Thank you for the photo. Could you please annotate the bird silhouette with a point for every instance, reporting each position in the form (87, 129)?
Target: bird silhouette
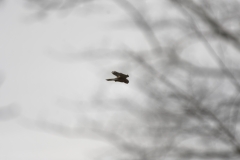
(120, 77)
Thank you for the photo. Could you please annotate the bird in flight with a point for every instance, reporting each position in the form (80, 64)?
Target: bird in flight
(120, 77)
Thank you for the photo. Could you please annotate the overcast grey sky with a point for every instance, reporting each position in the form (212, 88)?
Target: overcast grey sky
(35, 78)
(45, 79)
(43, 72)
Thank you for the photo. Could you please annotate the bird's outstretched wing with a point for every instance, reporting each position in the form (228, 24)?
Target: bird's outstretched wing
(118, 74)
(119, 80)
(125, 81)
(113, 79)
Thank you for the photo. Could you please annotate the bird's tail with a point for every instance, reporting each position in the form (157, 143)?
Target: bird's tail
(110, 79)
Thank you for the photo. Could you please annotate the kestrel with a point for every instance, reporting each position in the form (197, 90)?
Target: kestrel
(120, 77)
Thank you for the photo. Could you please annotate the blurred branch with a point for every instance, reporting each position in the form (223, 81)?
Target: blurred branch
(224, 68)
(141, 22)
(190, 153)
(216, 26)
(174, 107)
(8, 112)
